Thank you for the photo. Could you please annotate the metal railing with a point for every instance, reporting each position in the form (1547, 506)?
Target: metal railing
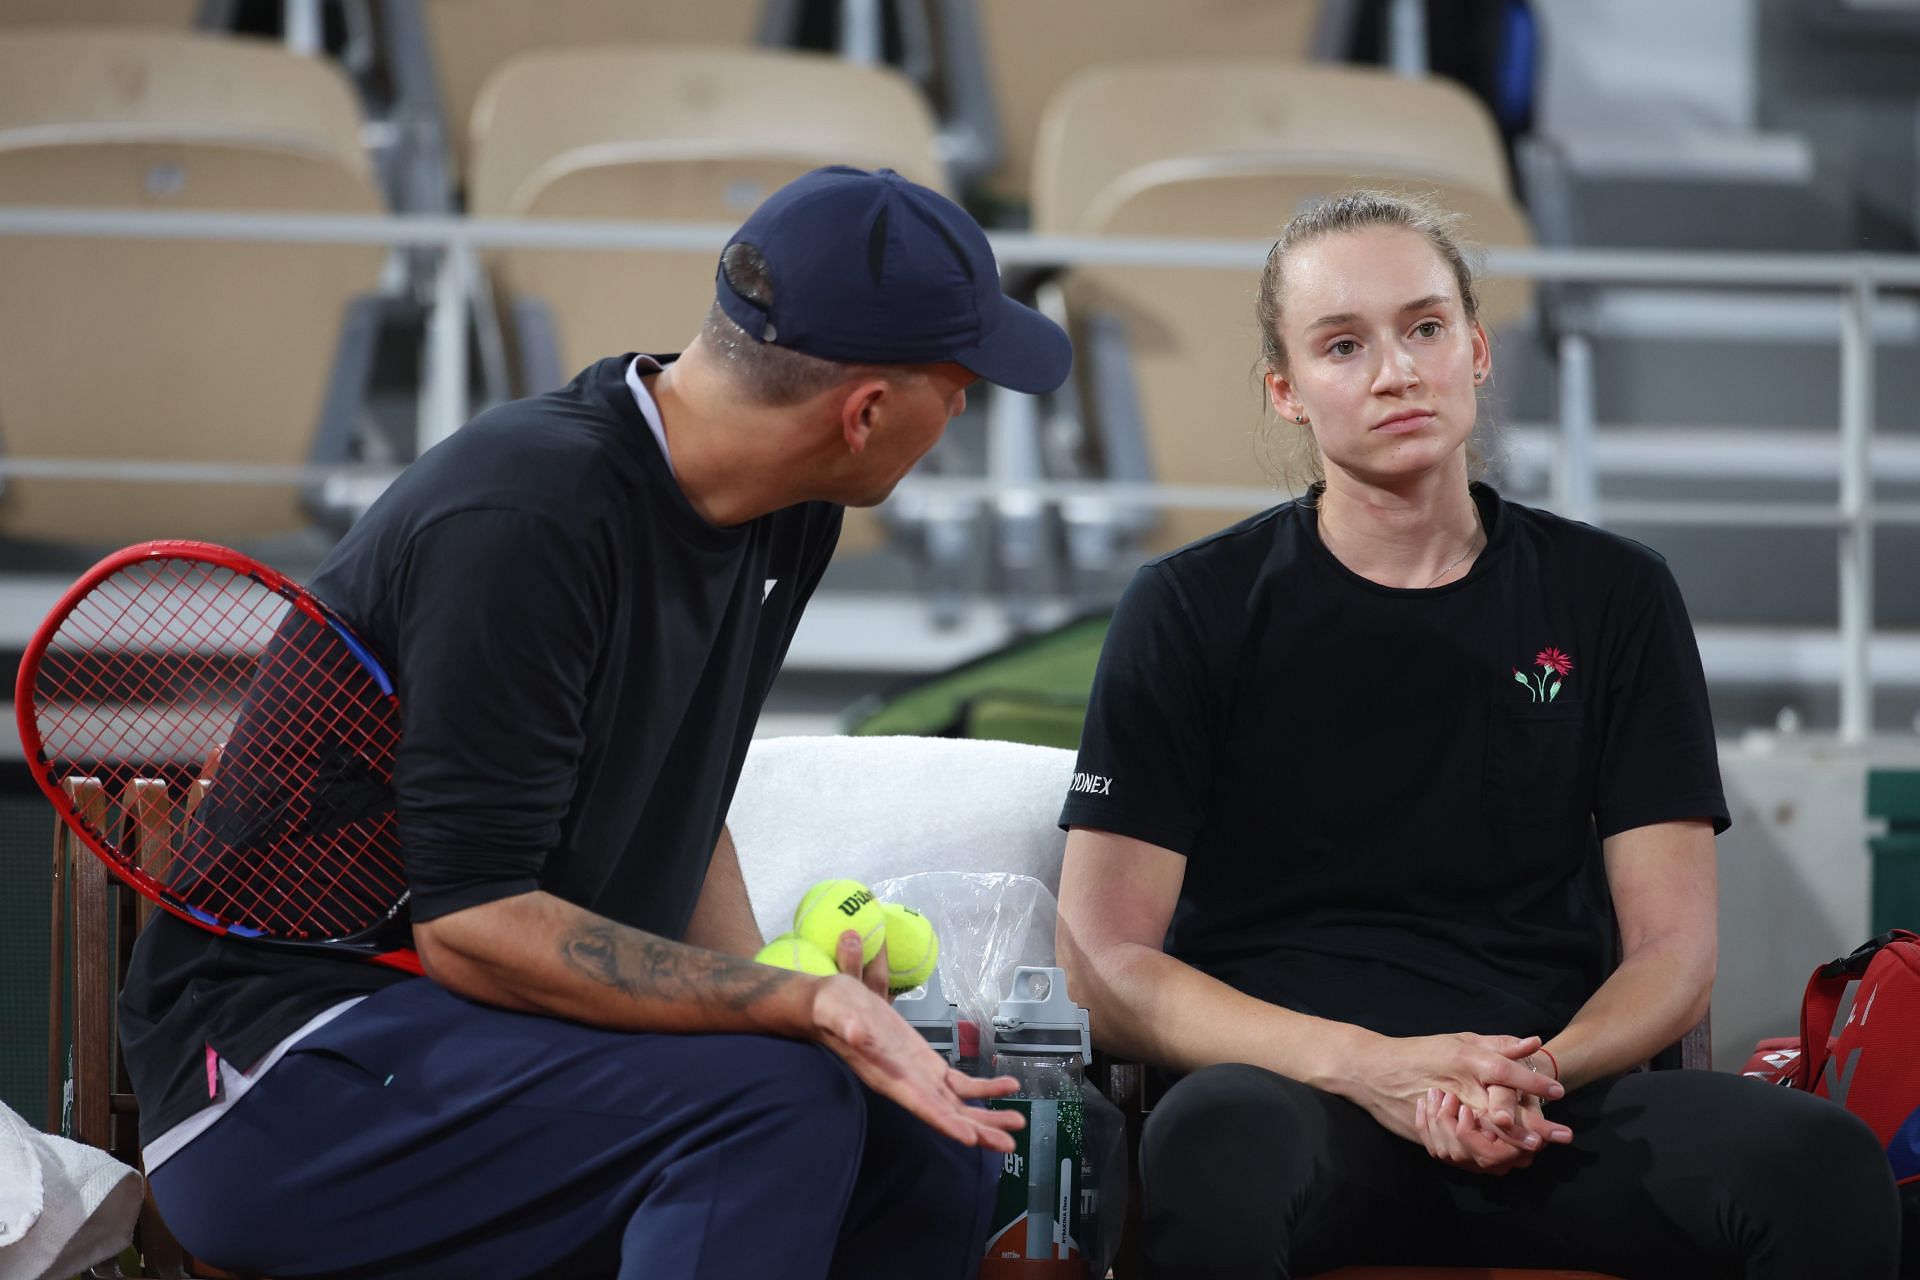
(1858, 280)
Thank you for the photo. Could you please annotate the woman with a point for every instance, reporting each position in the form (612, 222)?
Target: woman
(1376, 772)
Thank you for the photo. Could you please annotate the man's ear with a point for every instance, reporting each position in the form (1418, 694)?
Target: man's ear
(860, 409)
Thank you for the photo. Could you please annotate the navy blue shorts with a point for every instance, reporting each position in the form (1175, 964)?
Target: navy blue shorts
(422, 1135)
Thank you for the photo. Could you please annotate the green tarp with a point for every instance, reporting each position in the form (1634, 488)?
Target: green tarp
(1034, 690)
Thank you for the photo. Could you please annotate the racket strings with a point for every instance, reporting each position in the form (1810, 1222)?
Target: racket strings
(127, 635)
(337, 711)
(297, 880)
(171, 662)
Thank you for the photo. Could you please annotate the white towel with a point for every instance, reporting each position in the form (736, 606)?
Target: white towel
(63, 1206)
(870, 809)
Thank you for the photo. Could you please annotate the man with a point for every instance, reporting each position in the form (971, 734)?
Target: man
(584, 598)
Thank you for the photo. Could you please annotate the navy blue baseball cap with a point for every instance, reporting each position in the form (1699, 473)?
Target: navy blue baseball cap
(869, 268)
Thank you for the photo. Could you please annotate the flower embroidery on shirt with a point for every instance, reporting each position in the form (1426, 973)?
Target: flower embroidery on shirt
(1545, 686)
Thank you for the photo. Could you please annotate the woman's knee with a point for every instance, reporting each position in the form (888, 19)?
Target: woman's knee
(1770, 1173)
(1222, 1157)
(1788, 1129)
(1850, 1178)
(1217, 1110)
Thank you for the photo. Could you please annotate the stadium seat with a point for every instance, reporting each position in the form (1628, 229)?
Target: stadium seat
(1027, 50)
(1454, 1273)
(1227, 149)
(685, 135)
(153, 351)
(680, 135)
(94, 922)
(470, 39)
(175, 14)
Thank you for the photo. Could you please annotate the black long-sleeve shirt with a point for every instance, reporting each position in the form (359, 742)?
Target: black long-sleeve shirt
(580, 659)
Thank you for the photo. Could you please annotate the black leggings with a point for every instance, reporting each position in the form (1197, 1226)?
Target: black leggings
(1670, 1173)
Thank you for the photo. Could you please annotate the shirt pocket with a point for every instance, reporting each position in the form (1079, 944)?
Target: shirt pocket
(1536, 762)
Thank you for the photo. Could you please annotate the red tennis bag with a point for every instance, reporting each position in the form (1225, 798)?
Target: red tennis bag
(1775, 1061)
(1871, 1065)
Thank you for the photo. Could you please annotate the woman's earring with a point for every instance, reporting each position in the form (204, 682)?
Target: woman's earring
(1299, 418)
(1479, 374)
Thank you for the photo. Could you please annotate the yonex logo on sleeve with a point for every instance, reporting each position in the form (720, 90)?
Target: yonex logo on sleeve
(1092, 784)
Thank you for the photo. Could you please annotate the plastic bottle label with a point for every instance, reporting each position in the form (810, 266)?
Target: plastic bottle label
(1036, 1229)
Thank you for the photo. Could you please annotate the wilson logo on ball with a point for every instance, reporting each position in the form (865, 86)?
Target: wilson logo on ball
(851, 904)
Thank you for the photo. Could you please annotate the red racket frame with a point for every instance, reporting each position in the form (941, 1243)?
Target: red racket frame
(362, 945)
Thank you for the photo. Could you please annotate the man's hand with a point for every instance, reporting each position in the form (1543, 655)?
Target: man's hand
(891, 1059)
(874, 975)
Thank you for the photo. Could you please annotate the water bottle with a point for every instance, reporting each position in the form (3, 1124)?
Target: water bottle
(1041, 1040)
(928, 1011)
(968, 1047)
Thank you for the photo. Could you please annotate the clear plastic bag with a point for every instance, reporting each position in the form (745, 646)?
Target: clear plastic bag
(990, 925)
(1104, 1162)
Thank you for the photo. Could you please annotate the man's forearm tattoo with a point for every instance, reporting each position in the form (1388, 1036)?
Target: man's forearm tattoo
(645, 967)
(594, 951)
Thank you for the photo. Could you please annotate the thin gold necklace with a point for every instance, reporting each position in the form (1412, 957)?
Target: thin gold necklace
(1472, 544)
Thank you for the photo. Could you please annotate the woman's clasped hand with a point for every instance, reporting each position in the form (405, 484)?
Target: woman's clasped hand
(1473, 1101)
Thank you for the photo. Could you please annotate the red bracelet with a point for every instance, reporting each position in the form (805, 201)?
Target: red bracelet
(1553, 1060)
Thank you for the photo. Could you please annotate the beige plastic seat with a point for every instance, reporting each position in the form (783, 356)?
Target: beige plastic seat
(1232, 149)
(680, 135)
(176, 14)
(1033, 49)
(470, 39)
(170, 351)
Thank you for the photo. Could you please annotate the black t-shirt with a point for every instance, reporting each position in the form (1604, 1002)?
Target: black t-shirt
(1390, 801)
(580, 659)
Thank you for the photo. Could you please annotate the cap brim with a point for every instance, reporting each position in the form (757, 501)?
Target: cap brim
(1026, 351)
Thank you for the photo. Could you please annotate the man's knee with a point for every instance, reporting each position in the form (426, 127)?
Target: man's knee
(927, 1172)
(948, 1184)
(183, 1212)
(960, 1178)
(922, 1202)
(809, 1099)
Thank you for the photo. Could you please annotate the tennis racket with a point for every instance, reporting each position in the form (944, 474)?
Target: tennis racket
(191, 666)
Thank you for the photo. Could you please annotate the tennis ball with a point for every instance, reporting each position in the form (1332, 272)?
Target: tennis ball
(912, 946)
(832, 907)
(791, 952)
